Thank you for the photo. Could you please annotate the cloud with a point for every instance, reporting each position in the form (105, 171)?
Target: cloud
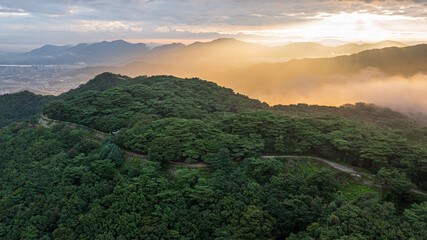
(149, 18)
(104, 26)
(186, 10)
(162, 29)
(12, 14)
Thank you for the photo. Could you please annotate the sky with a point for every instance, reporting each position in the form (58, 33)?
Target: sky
(25, 24)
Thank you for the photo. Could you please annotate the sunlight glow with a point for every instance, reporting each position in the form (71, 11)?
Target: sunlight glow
(356, 26)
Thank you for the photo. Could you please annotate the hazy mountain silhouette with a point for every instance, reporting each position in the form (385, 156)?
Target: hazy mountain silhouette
(390, 61)
(220, 52)
(115, 52)
(224, 52)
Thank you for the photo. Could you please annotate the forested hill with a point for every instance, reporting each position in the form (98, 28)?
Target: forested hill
(63, 181)
(209, 96)
(21, 105)
(164, 96)
(381, 116)
(101, 82)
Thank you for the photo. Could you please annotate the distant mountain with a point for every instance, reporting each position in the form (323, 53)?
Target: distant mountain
(167, 47)
(225, 51)
(220, 52)
(404, 61)
(136, 69)
(105, 53)
(391, 61)
(48, 50)
(349, 48)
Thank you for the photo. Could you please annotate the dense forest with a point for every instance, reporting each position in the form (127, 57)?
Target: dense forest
(57, 183)
(64, 180)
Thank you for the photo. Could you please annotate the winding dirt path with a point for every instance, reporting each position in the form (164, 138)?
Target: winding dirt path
(342, 168)
(45, 121)
(335, 165)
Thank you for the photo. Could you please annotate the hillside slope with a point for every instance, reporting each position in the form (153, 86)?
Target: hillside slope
(165, 96)
(405, 61)
(20, 106)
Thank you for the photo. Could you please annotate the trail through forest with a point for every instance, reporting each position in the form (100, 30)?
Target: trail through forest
(45, 121)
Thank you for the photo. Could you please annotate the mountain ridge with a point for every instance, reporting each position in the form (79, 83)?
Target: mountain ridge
(114, 52)
(122, 52)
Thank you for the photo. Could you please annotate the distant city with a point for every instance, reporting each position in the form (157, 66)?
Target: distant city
(40, 79)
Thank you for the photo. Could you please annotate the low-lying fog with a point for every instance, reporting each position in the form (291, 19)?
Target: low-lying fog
(405, 94)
